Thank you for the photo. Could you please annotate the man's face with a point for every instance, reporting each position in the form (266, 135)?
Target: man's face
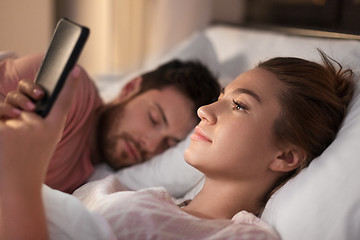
(135, 130)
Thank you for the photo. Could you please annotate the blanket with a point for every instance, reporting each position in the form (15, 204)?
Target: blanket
(153, 214)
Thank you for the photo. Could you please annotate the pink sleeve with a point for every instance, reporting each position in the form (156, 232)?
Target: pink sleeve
(14, 70)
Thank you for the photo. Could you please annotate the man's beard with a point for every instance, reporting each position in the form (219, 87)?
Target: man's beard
(106, 140)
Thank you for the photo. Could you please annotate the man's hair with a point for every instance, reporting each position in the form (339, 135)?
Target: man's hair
(190, 78)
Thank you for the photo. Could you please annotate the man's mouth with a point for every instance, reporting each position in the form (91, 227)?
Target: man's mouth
(132, 151)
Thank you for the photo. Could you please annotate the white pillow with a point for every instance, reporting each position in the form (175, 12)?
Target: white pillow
(323, 201)
(168, 169)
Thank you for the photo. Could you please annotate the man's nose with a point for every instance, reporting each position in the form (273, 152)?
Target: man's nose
(151, 142)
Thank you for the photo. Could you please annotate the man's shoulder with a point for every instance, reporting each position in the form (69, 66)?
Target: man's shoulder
(87, 98)
(12, 70)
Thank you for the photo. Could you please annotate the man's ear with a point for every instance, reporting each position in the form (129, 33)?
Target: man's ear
(288, 159)
(130, 89)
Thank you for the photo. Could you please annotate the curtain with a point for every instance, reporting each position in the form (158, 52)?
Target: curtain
(126, 34)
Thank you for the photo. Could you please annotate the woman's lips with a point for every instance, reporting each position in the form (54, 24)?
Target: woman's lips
(200, 135)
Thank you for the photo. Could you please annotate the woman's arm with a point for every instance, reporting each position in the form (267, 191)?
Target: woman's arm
(22, 214)
(26, 145)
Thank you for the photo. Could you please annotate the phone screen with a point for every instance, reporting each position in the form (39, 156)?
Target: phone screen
(61, 56)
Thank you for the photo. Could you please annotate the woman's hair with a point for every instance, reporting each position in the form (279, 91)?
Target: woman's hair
(314, 103)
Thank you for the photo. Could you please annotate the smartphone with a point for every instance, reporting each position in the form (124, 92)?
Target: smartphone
(64, 50)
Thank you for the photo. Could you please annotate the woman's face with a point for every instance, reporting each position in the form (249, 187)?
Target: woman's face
(235, 136)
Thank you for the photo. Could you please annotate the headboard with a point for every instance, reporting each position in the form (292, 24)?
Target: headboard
(319, 18)
(329, 15)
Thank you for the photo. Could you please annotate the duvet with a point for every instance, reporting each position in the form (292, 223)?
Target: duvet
(105, 210)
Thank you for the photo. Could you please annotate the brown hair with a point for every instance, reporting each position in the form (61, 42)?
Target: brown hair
(314, 104)
(191, 78)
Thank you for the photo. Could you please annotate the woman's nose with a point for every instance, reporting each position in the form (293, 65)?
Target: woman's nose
(207, 114)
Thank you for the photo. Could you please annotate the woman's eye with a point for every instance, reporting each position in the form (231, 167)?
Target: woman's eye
(239, 106)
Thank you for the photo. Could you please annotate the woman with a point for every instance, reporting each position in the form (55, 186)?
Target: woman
(266, 126)
(283, 113)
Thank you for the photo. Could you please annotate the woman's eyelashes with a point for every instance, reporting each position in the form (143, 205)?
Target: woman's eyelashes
(237, 105)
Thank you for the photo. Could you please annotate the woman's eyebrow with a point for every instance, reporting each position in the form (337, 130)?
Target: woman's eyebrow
(249, 92)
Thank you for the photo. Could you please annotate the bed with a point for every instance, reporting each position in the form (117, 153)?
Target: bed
(322, 202)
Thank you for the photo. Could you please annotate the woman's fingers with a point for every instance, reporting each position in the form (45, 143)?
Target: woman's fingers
(28, 93)
(14, 103)
(30, 89)
(8, 111)
(20, 101)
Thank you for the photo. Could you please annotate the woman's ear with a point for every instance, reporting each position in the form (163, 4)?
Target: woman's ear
(130, 89)
(288, 159)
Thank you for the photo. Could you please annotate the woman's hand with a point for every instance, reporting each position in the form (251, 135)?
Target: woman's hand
(27, 143)
(30, 137)
(21, 100)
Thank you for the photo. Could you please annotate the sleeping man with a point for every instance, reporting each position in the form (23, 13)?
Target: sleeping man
(151, 113)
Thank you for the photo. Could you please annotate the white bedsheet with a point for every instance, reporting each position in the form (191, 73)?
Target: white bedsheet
(68, 218)
(105, 213)
(153, 214)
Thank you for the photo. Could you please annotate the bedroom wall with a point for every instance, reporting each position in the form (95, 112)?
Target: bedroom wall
(125, 34)
(98, 17)
(159, 25)
(172, 21)
(229, 11)
(25, 25)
